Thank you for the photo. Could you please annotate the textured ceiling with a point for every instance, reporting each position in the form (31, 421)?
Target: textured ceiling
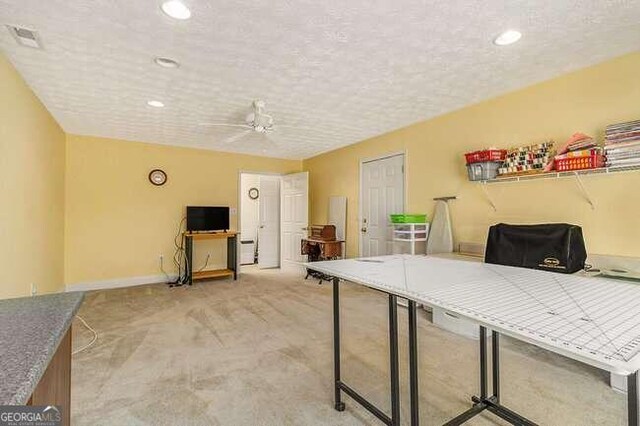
(342, 71)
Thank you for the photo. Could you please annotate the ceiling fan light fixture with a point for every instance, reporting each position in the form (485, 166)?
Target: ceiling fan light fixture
(176, 10)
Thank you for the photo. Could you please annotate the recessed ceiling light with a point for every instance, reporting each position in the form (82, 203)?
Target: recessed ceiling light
(156, 104)
(176, 9)
(166, 62)
(507, 37)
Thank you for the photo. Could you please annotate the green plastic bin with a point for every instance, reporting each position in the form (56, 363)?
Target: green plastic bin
(408, 218)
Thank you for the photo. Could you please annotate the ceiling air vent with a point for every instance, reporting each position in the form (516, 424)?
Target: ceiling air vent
(25, 37)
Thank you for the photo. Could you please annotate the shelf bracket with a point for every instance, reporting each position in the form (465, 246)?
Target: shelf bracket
(584, 191)
(483, 186)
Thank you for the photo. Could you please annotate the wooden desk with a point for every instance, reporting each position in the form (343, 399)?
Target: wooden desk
(232, 261)
(319, 250)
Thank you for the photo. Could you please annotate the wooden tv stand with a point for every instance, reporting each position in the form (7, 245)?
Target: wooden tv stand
(232, 262)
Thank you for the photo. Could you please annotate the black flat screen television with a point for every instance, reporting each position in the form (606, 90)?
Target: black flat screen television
(207, 218)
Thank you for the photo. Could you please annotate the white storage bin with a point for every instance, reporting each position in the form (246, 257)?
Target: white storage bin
(411, 235)
(410, 227)
(453, 323)
(483, 171)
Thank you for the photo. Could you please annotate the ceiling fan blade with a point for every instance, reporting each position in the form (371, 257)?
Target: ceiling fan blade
(236, 138)
(246, 126)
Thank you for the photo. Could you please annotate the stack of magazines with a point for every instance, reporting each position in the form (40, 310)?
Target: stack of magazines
(580, 141)
(622, 144)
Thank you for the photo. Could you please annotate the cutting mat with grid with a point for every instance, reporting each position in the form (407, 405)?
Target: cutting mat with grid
(596, 321)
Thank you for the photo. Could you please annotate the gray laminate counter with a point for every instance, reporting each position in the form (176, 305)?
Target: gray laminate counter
(30, 330)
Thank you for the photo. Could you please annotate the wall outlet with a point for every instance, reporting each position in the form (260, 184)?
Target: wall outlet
(233, 211)
(34, 289)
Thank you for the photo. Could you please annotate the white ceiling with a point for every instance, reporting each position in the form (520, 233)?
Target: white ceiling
(344, 71)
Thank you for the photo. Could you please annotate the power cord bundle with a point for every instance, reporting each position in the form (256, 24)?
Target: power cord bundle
(180, 259)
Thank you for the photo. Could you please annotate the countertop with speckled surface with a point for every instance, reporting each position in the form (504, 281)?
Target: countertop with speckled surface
(31, 329)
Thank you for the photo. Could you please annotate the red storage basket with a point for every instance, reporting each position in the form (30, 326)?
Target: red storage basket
(497, 155)
(580, 163)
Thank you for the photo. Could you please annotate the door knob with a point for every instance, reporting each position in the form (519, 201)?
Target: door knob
(261, 226)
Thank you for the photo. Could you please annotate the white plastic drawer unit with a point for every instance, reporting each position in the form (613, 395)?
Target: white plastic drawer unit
(410, 235)
(410, 227)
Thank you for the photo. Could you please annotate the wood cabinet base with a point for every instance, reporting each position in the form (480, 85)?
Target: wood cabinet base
(54, 388)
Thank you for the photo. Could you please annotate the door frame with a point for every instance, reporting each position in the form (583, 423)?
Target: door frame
(405, 194)
(239, 210)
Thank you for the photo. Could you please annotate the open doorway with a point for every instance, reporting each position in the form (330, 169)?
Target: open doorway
(259, 221)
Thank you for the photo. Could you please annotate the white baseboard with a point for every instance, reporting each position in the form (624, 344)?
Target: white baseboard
(120, 282)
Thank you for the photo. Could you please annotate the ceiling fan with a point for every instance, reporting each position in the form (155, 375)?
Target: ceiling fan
(257, 121)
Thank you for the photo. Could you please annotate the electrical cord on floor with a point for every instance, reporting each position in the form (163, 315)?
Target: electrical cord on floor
(206, 263)
(93, 340)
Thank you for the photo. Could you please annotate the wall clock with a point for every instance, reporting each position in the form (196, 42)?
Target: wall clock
(254, 193)
(157, 177)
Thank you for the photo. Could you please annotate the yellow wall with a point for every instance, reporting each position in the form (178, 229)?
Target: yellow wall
(118, 223)
(31, 191)
(585, 101)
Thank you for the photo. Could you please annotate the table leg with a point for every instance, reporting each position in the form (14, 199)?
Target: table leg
(491, 403)
(632, 399)
(495, 362)
(483, 362)
(393, 359)
(413, 364)
(339, 405)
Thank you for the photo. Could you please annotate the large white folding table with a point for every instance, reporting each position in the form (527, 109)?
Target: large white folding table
(592, 320)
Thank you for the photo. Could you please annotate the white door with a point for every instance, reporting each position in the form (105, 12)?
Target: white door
(269, 223)
(295, 215)
(382, 194)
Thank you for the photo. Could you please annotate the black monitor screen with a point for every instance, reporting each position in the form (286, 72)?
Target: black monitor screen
(207, 218)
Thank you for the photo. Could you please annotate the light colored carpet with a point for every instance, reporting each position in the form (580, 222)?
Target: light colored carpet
(259, 352)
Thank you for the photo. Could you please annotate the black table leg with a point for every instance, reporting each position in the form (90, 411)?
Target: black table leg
(632, 398)
(339, 405)
(495, 362)
(393, 359)
(484, 401)
(483, 362)
(413, 364)
(339, 386)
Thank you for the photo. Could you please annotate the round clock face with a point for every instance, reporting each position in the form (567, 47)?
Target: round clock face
(157, 177)
(254, 193)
